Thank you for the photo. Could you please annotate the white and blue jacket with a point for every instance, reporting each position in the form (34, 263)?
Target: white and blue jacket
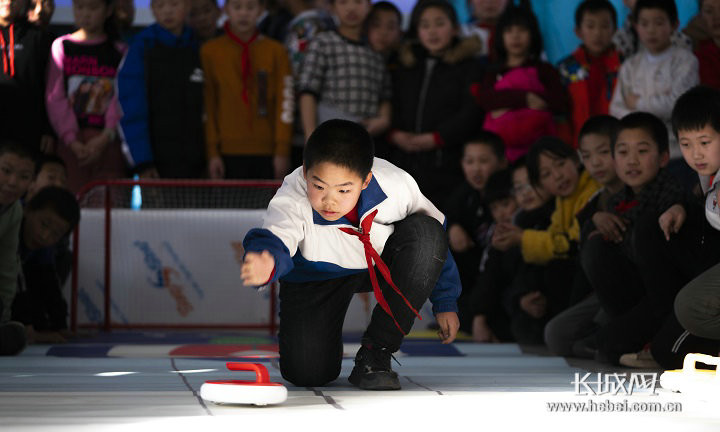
(307, 247)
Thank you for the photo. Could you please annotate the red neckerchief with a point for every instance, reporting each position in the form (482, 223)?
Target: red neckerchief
(353, 216)
(370, 255)
(8, 52)
(608, 61)
(244, 59)
(624, 206)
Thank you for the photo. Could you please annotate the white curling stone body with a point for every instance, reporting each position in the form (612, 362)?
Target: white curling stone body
(244, 394)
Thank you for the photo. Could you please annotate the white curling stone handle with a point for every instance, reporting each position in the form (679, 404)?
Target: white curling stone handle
(690, 379)
(244, 394)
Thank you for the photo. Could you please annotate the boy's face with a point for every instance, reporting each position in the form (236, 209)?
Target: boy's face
(203, 18)
(243, 15)
(170, 14)
(527, 196)
(384, 31)
(43, 228)
(503, 210)
(478, 163)
(558, 176)
(488, 10)
(637, 160)
(435, 30)
(596, 31)
(351, 13)
(597, 157)
(333, 190)
(701, 149)
(16, 173)
(710, 13)
(654, 29)
(51, 174)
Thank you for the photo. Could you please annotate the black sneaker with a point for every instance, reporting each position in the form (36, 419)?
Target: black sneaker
(372, 369)
(12, 338)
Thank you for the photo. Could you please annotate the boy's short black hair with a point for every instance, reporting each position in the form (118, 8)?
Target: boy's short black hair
(60, 201)
(384, 6)
(490, 139)
(604, 125)
(668, 6)
(522, 16)
(48, 159)
(20, 150)
(695, 109)
(650, 124)
(595, 6)
(340, 142)
(499, 186)
(551, 146)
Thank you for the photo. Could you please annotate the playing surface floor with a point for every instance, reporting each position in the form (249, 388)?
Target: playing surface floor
(151, 381)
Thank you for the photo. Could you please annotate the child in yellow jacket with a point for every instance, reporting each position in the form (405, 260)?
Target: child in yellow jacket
(248, 98)
(542, 287)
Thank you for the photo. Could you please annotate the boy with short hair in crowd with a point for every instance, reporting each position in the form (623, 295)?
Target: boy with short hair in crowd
(248, 101)
(384, 31)
(626, 39)
(51, 172)
(160, 91)
(39, 304)
(469, 218)
(342, 77)
(694, 326)
(655, 77)
(332, 218)
(17, 169)
(590, 72)
(637, 295)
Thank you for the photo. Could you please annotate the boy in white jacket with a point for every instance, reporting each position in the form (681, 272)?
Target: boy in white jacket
(657, 75)
(335, 216)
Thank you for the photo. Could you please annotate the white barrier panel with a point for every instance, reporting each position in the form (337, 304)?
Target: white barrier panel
(176, 267)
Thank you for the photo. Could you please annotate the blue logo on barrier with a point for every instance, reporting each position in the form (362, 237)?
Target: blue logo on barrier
(165, 276)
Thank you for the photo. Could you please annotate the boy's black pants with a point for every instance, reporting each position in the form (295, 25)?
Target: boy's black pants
(312, 313)
(638, 294)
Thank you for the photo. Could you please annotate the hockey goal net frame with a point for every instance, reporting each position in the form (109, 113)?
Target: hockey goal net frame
(106, 188)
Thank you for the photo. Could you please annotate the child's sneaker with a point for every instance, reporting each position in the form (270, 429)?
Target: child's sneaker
(372, 369)
(642, 360)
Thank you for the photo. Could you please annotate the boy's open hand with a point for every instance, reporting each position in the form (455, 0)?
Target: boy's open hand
(611, 226)
(672, 220)
(257, 268)
(449, 326)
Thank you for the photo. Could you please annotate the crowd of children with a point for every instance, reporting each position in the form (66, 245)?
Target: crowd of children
(549, 175)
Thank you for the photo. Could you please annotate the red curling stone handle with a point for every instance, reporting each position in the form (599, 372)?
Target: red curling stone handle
(261, 372)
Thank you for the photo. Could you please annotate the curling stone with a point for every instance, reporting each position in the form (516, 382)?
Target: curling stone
(693, 381)
(259, 392)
